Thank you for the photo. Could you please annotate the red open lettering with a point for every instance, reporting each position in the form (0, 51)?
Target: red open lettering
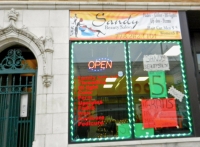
(99, 64)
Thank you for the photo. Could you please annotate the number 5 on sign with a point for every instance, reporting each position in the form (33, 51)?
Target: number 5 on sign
(157, 84)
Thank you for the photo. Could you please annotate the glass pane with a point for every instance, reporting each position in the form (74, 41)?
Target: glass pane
(99, 98)
(159, 93)
(198, 60)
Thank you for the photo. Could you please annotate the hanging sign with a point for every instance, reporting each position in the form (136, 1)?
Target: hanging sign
(124, 25)
(100, 64)
(155, 63)
(159, 113)
(157, 84)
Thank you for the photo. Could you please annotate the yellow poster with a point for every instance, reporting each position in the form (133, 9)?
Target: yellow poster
(124, 25)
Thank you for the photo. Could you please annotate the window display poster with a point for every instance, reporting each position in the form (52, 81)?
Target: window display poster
(157, 83)
(155, 63)
(159, 113)
(124, 25)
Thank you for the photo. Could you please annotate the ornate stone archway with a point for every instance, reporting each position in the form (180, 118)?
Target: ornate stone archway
(42, 46)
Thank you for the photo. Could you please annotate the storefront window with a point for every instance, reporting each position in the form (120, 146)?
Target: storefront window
(99, 92)
(128, 90)
(159, 90)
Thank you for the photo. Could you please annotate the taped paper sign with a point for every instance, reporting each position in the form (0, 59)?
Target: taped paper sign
(155, 63)
(157, 83)
(24, 105)
(177, 94)
(158, 113)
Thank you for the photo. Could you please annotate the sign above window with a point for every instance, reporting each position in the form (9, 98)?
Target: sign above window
(129, 25)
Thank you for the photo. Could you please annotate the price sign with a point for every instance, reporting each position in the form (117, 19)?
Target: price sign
(159, 113)
(157, 84)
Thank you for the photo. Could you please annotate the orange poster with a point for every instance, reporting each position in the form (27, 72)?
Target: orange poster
(159, 113)
(124, 25)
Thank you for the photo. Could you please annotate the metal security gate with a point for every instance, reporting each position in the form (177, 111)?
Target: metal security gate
(17, 103)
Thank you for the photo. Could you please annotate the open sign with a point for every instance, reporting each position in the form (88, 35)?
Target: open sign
(100, 64)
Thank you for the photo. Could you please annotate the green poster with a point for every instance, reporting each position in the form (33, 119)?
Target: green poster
(157, 84)
(124, 130)
(140, 131)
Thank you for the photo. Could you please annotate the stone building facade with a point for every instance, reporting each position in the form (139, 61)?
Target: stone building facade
(43, 27)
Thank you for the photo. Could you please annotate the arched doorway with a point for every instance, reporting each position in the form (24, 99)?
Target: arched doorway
(18, 69)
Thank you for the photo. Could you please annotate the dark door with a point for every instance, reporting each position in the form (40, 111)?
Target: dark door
(17, 101)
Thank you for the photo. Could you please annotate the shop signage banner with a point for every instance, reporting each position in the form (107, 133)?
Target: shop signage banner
(159, 113)
(124, 25)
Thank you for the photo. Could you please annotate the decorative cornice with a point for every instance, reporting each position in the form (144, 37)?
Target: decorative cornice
(24, 32)
(69, 5)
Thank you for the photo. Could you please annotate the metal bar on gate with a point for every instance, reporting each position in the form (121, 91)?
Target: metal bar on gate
(20, 134)
(25, 123)
(10, 117)
(12, 111)
(1, 113)
(17, 116)
(16, 119)
(4, 119)
(32, 112)
(19, 121)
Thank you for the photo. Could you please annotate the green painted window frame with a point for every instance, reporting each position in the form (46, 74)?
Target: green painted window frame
(129, 94)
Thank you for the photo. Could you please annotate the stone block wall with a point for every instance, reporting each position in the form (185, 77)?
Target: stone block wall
(51, 126)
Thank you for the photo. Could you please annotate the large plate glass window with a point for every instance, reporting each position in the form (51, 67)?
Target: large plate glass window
(159, 89)
(99, 97)
(128, 90)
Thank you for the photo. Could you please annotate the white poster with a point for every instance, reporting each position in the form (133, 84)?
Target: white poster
(155, 63)
(24, 105)
(177, 94)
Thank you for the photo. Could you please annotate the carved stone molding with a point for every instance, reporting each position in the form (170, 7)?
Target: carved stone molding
(47, 80)
(24, 32)
(45, 46)
(12, 15)
(48, 41)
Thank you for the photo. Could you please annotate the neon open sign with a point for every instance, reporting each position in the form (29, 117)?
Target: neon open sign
(100, 64)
